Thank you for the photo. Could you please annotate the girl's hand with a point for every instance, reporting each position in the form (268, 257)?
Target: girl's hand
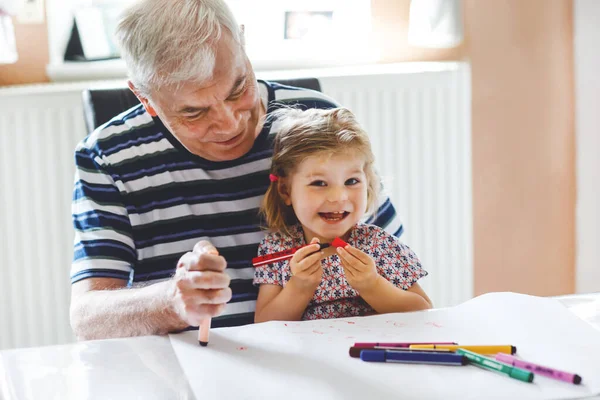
(306, 265)
(359, 268)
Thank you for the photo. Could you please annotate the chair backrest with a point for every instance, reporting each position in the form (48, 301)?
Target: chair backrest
(100, 105)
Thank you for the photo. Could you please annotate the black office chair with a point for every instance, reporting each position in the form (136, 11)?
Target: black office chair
(100, 105)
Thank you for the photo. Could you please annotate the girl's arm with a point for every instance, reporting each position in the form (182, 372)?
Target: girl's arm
(384, 297)
(288, 303)
(380, 293)
(277, 303)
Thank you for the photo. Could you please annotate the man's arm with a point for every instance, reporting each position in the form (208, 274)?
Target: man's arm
(104, 308)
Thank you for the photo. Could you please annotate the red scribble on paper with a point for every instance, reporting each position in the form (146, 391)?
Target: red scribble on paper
(285, 324)
(319, 333)
(434, 324)
(242, 348)
(351, 322)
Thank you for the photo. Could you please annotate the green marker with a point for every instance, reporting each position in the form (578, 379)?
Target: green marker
(493, 365)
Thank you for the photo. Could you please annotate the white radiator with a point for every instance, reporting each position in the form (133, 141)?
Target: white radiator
(419, 123)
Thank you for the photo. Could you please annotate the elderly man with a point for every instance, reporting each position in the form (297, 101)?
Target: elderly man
(162, 183)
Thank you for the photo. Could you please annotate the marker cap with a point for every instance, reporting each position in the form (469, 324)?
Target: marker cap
(521, 375)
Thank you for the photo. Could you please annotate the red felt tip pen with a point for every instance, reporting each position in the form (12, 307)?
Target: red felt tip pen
(287, 254)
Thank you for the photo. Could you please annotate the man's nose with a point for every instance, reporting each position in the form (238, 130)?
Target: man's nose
(226, 119)
(337, 193)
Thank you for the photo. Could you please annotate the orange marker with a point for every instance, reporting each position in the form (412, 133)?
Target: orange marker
(492, 349)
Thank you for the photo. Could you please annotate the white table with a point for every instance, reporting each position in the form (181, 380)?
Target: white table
(134, 368)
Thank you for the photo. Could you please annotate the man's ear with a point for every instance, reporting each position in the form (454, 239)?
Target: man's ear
(284, 192)
(144, 100)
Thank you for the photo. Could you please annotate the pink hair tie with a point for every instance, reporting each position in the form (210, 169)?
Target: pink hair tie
(273, 178)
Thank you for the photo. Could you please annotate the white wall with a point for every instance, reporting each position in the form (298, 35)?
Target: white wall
(587, 114)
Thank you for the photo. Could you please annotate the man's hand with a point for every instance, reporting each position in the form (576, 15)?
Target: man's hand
(200, 286)
(306, 265)
(359, 268)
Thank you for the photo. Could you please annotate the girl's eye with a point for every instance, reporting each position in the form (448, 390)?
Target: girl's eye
(318, 183)
(352, 181)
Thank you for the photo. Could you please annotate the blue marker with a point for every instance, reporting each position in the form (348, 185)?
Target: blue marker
(412, 358)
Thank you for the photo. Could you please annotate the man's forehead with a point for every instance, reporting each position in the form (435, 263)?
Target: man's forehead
(230, 66)
(202, 94)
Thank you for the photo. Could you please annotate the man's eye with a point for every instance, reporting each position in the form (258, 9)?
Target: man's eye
(237, 94)
(352, 181)
(318, 183)
(193, 117)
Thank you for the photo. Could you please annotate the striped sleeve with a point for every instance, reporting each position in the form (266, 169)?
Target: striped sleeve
(103, 245)
(386, 217)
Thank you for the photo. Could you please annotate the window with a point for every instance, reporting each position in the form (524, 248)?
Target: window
(306, 33)
(280, 34)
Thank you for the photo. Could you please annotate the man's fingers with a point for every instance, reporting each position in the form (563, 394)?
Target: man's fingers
(214, 296)
(208, 280)
(204, 246)
(202, 262)
(195, 314)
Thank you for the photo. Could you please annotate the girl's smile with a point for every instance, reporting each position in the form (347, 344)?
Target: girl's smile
(328, 193)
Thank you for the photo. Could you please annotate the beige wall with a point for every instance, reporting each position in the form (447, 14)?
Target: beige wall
(521, 55)
(32, 47)
(523, 131)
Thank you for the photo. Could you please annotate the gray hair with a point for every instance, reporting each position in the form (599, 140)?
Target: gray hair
(167, 42)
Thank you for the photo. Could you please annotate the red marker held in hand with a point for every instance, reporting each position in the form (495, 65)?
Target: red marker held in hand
(287, 254)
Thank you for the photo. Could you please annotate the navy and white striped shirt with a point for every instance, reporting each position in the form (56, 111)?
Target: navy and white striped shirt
(141, 200)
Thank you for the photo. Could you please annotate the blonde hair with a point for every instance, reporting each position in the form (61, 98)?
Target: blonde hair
(301, 134)
(168, 42)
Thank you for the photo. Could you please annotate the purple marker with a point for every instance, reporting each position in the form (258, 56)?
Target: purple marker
(408, 344)
(539, 369)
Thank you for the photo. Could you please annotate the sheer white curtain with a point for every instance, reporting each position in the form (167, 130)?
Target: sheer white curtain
(435, 23)
(8, 47)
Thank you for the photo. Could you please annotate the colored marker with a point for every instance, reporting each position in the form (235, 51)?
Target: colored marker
(411, 358)
(539, 369)
(355, 351)
(493, 365)
(397, 344)
(282, 255)
(337, 242)
(483, 349)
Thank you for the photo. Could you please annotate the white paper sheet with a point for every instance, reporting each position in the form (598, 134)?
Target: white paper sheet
(309, 360)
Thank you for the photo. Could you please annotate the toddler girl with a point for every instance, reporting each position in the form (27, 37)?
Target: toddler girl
(323, 183)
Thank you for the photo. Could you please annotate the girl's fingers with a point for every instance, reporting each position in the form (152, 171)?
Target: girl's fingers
(305, 251)
(349, 271)
(358, 254)
(348, 258)
(314, 268)
(310, 260)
